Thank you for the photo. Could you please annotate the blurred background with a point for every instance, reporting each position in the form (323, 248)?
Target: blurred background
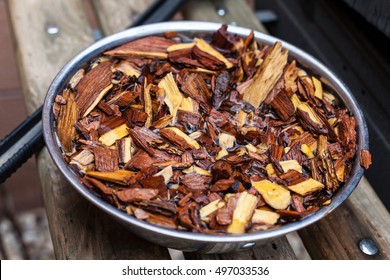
(352, 37)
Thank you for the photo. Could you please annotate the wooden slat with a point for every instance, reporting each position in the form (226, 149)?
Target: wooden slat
(39, 55)
(278, 249)
(115, 16)
(374, 11)
(78, 229)
(338, 235)
(237, 11)
(240, 13)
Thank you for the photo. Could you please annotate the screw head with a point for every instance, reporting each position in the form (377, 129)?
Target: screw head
(368, 247)
(52, 29)
(248, 245)
(221, 11)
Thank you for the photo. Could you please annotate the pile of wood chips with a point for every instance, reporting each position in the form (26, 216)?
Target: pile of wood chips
(218, 136)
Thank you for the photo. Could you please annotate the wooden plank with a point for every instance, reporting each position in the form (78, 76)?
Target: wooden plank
(115, 16)
(236, 12)
(338, 235)
(78, 229)
(240, 13)
(39, 54)
(374, 11)
(279, 249)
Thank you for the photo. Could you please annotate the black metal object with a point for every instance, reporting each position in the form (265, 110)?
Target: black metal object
(27, 139)
(358, 53)
(160, 10)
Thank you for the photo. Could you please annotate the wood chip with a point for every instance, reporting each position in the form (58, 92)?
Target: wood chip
(67, 117)
(92, 88)
(266, 76)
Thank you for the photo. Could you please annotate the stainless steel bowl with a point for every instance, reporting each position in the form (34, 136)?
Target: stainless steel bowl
(187, 241)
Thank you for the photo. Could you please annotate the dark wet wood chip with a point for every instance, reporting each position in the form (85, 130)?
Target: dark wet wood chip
(196, 181)
(221, 170)
(105, 159)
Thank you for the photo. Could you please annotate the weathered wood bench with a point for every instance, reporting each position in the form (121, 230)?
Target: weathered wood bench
(47, 34)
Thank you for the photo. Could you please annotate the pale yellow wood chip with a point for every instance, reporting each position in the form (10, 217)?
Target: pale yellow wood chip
(243, 212)
(109, 138)
(173, 97)
(264, 217)
(274, 195)
(267, 75)
(317, 87)
(306, 187)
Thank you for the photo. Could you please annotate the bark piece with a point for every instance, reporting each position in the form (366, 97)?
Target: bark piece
(148, 47)
(93, 87)
(186, 117)
(123, 98)
(96, 184)
(136, 117)
(155, 182)
(136, 194)
(67, 117)
(222, 185)
(121, 177)
(221, 89)
(290, 76)
(212, 53)
(222, 39)
(140, 160)
(179, 138)
(196, 181)
(221, 170)
(105, 159)
(159, 207)
(283, 105)
(194, 86)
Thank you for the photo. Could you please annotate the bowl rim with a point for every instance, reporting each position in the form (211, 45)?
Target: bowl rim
(305, 59)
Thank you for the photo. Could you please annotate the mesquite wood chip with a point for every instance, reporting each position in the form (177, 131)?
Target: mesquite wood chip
(220, 136)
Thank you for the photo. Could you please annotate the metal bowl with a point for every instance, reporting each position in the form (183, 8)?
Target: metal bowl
(188, 241)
